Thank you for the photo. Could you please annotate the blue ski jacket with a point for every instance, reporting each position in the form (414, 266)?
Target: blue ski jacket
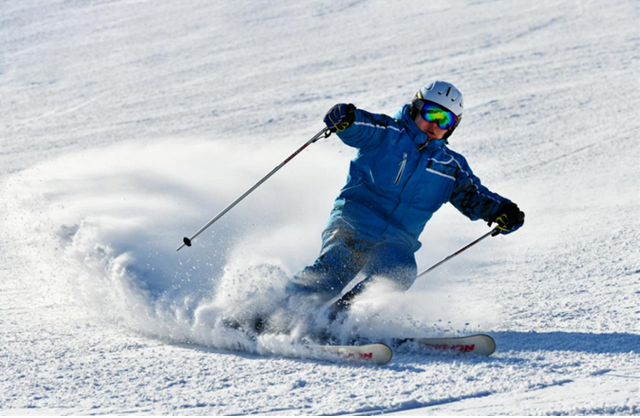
(399, 179)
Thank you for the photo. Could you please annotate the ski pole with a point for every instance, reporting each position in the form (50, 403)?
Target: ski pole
(493, 233)
(345, 301)
(325, 132)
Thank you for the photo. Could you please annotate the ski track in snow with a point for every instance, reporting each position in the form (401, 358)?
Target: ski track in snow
(127, 125)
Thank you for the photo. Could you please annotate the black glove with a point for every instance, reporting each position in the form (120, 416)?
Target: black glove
(508, 218)
(340, 117)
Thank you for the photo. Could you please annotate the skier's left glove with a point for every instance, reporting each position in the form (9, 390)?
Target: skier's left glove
(508, 218)
(340, 117)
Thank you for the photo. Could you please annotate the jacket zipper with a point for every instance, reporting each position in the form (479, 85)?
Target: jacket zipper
(402, 165)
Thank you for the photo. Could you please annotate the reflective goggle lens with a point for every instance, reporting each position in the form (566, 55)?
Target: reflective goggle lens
(431, 112)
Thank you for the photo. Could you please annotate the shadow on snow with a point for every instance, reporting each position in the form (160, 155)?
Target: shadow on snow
(567, 341)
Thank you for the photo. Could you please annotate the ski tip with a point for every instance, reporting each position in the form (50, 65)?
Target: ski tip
(377, 353)
(491, 344)
(390, 354)
(488, 344)
(482, 344)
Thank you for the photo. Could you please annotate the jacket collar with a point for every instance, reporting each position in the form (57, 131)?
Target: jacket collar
(419, 137)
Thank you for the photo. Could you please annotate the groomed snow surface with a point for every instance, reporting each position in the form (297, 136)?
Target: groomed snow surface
(126, 125)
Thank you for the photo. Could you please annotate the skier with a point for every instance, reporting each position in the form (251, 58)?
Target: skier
(403, 173)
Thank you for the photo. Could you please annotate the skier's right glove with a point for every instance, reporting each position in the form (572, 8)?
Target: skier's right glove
(340, 117)
(508, 218)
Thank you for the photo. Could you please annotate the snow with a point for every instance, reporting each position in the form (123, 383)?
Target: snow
(127, 125)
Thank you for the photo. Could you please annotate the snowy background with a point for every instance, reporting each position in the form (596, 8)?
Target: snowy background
(127, 124)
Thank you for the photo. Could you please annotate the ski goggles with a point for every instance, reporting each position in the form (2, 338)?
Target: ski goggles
(431, 112)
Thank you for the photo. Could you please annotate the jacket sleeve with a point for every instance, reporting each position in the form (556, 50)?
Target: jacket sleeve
(470, 197)
(369, 130)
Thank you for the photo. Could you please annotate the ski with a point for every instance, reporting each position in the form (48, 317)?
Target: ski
(371, 352)
(375, 353)
(477, 344)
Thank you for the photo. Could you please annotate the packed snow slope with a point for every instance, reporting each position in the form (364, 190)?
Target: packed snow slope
(126, 125)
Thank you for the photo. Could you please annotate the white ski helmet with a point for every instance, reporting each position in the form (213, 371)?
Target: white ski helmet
(442, 93)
